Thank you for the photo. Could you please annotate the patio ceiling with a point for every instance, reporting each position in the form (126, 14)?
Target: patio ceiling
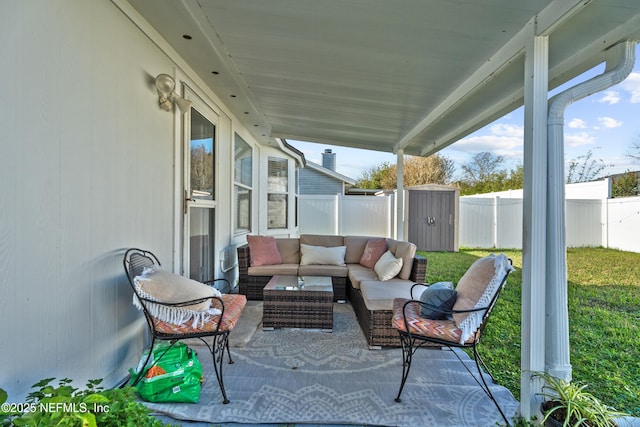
(415, 75)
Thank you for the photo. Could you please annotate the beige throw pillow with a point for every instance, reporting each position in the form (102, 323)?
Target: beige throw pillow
(160, 285)
(387, 266)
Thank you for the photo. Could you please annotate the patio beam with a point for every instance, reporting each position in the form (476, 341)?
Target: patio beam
(551, 17)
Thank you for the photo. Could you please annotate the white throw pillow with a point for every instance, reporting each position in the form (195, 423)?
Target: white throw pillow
(320, 255)
(387, 266)
(160, 285)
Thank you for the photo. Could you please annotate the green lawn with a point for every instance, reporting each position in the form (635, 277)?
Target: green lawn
(604, 320)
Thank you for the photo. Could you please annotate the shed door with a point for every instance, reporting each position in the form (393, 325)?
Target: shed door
(431, 220)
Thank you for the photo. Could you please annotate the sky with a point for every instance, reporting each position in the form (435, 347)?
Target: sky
(606, 123)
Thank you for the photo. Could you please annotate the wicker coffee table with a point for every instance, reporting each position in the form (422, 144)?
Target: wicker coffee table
(287, 305)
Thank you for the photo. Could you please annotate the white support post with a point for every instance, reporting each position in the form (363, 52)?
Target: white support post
(400, 195)
(534, 222)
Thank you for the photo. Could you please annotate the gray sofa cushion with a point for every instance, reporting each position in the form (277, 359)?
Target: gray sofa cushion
(323, 270)
(380, 295)
(272, 270)
(321, 240)
(406, 251)
(355, 248)
(289, 250)
(358, 273)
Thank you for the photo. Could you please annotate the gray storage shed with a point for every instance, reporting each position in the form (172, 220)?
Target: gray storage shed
(433, 217)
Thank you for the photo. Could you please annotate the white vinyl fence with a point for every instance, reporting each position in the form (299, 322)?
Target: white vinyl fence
(346, 215)
(485, 222)
(497, 222)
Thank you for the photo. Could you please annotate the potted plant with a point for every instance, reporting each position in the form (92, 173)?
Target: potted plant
(568, 404)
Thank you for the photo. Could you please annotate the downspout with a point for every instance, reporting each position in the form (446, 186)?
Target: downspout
(619, 63)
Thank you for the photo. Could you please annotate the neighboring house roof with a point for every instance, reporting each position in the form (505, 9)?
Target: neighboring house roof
(363, 192)
(331, 173)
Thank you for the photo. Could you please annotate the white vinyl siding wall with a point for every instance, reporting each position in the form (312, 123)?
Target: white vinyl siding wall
(86, 171)
(90, 166)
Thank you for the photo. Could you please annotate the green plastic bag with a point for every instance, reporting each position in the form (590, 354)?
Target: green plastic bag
(176, 374)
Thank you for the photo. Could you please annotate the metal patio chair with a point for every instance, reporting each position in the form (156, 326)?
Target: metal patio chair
(478, 292)
(217, 327)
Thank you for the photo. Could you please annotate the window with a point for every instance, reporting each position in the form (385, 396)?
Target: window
(242, 190)
(202, 158)
(200, 169)
(277, 197)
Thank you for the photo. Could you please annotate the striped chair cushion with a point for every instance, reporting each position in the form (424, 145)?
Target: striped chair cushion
(441, 329)
(233, 306)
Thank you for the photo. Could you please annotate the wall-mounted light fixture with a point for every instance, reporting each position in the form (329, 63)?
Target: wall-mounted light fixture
(167, 96)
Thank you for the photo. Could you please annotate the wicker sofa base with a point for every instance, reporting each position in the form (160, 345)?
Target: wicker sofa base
(376, 325)
(252, 287)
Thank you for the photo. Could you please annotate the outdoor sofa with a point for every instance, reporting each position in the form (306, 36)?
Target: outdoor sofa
(368, 271)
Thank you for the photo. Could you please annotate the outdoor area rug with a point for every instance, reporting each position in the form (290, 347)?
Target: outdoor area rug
(289, 376)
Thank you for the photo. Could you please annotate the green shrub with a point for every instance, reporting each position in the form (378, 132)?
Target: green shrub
(64, 405)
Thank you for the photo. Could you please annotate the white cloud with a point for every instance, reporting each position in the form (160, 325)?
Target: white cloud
(610, 97)
(503, 129)
(609, 122)
(632, 84)
(577, 124)
(504, 140)
(578, 139)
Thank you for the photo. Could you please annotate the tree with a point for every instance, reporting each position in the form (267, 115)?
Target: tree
(499, 181)
(372, 178)
(434, 169)
(201, 168)
(483, 174)
(516, 179)
(625, 185)
(634, 152)
(585, 168)
(482, 168)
